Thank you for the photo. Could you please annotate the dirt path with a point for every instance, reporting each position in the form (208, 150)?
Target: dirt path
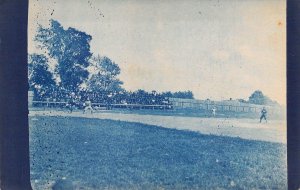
(273, 131)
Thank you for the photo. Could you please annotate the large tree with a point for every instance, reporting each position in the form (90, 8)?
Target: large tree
(40, 78)
(70, 48)
(105, 80)
(257, 97)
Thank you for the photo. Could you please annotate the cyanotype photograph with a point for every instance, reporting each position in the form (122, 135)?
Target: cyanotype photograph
(141, 94)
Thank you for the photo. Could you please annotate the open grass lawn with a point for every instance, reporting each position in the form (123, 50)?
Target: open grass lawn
(86, 153)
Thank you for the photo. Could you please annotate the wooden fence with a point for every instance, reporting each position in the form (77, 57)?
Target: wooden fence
(53, 104)
(175, 104)
(222, 106)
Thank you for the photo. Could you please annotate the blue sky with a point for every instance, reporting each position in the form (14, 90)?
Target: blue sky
(217, 49)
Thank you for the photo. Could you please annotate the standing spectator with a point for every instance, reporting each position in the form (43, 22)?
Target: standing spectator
(70, 104)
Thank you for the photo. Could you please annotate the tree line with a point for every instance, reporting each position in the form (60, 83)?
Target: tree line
(68, 69)
(257, 97)
(77, 73)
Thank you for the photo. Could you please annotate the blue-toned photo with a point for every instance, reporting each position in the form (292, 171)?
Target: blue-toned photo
(157, 94)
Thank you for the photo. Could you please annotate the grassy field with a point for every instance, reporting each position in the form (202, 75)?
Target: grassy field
(86, 153)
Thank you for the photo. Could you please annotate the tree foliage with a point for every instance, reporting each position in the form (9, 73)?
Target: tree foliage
(40, 78)
(180, 94)
(257, 97)
(70, 48)
(105, 80)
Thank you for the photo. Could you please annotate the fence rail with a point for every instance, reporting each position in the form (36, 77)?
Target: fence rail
(250, 108)
(173, 105)
(103, 105)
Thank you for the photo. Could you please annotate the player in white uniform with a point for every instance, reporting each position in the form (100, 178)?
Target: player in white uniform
(214, 111)
(88, 106)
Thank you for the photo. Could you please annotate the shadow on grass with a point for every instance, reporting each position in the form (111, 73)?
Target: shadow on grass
(97, 154)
